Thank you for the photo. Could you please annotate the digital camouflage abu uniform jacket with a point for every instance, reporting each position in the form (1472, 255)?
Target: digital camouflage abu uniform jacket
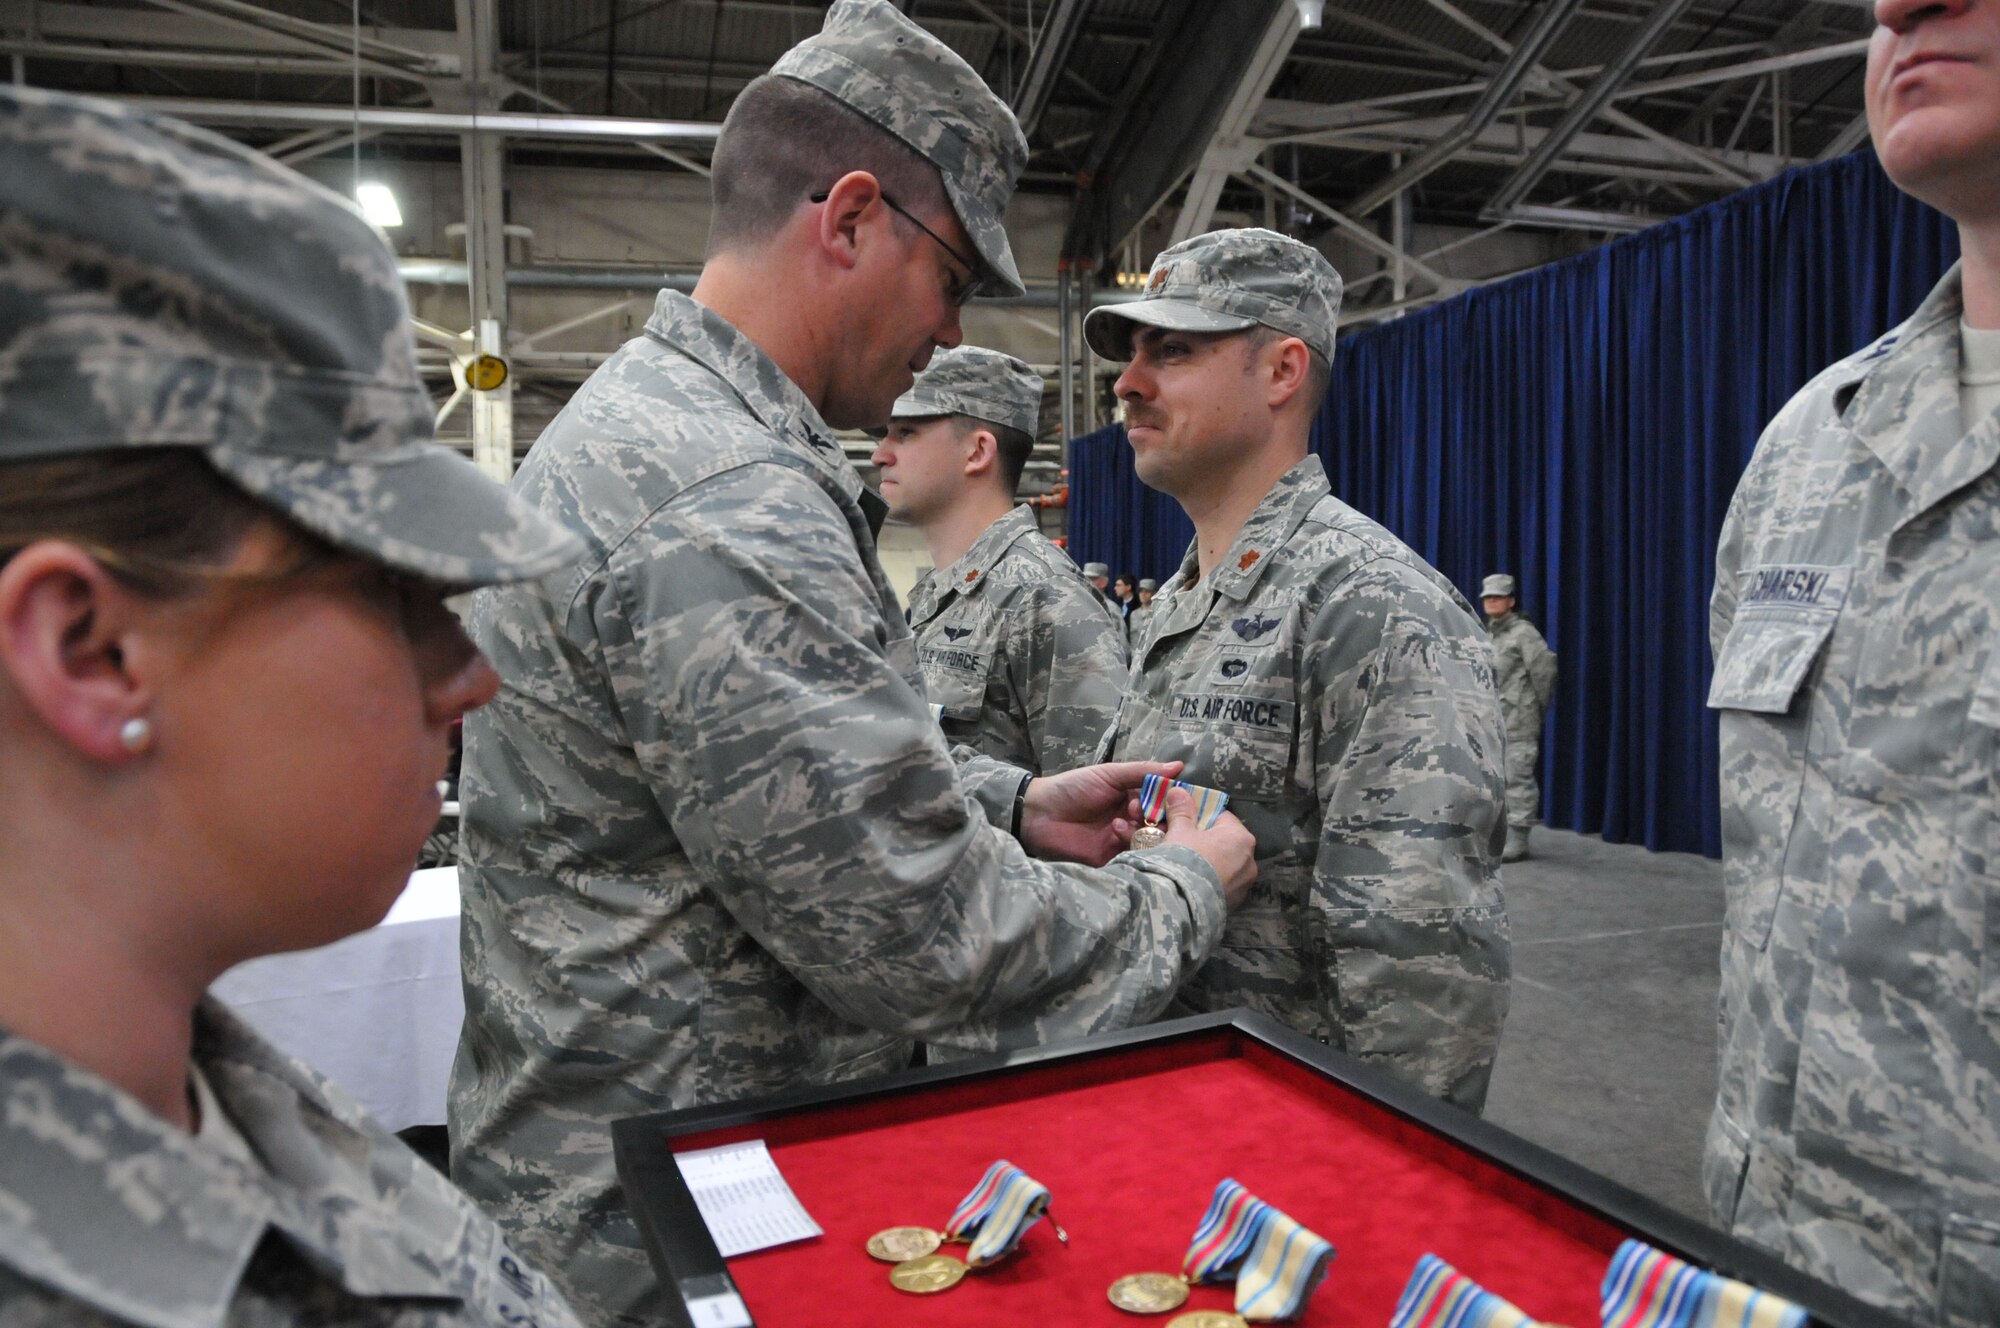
(1856, 610)
(1341, 692)
(1524, 670)
(109, 1215)
(1019, 650)
(715, 846)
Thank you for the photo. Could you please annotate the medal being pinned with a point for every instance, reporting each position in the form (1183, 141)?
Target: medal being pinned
(1208, 808)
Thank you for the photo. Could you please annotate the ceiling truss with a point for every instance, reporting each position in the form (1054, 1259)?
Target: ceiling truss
(1418, 133)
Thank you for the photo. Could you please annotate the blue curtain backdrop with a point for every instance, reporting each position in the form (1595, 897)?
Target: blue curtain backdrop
(1583, 426)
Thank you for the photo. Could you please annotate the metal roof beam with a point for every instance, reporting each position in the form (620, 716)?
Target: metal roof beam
(1545, 80)
(1228, 151)
(1586, 151)
(1848, 139)
(1811, 55)
(1354, 230)
(391, 120)
(1500, 90)
(320, 37)
(1586, 107)
(1046, 60)
(1015, 35)
(158, 58)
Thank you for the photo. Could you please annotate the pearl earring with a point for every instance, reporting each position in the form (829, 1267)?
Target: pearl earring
(136, 734)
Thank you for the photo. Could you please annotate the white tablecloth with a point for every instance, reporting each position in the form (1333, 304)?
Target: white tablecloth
(378, 1013)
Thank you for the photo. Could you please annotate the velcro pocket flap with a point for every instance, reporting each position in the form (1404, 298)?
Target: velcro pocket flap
(1782, 622)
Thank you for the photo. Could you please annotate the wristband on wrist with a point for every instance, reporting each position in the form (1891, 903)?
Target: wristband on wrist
(1020, 802)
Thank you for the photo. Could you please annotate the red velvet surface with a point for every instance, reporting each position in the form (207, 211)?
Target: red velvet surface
(1131, 1146)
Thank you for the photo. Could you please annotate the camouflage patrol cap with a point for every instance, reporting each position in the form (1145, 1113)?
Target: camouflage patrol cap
(974, 381)
(1094, 570)
(1148, 583)
(163, 287)
(1226, 281)
(1497, 584)
(887, 68)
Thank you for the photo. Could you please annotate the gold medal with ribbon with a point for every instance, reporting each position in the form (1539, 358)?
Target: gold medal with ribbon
(1275, 1263)
(989, 1221)
(1208, 808)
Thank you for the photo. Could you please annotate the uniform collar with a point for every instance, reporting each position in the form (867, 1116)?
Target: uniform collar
(106, 1203)
(715, 343)
(969, 573)
(1281, 512)
(1905, 407)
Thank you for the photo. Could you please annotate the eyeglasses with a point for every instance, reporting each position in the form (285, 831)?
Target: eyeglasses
(960, 294)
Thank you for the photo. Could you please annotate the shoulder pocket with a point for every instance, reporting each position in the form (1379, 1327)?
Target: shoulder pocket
(1784, 615)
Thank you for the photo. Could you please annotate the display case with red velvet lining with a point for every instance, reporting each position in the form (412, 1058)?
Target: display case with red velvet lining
(1131, 1132)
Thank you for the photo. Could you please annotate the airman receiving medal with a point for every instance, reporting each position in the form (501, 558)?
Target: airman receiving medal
(1310, 665)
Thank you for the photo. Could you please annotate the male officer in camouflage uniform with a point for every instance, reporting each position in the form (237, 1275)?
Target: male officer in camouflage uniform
(1017, 649)
(1856, 628)
(1525, 669)
(1310, 665)
(715, 845)
(166, 288)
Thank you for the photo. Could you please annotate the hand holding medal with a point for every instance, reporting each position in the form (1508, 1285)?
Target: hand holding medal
(1275, 1263)
(990, 1221)
(1209, 805)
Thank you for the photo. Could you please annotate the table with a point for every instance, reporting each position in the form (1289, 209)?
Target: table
(377, 1012)
(1131, 1132)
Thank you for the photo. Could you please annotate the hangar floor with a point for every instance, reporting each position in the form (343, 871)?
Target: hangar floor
(1609, 1052)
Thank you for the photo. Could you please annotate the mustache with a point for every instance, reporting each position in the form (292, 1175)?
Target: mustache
(1131, 415)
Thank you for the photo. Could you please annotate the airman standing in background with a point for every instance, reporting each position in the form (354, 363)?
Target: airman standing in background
(1525, 669)
(1017, 649)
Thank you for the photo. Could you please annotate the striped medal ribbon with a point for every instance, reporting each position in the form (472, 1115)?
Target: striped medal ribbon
(1276, 1263)
(1439, 1296)
(998, 1212)
(1225, 1235)
(1645, 1288)
(1285, 1267)
(1152, 799)
(1208, 803)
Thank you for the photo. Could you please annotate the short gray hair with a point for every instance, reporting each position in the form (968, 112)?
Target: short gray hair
(784, 141)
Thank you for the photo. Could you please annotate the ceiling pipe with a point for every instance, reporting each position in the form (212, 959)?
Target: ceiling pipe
(438, 272)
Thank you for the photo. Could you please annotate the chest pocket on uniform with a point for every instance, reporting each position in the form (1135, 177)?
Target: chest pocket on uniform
(1238, 713)
(957, 661)
(1784, 615)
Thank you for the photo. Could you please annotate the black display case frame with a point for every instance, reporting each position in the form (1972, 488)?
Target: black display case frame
(692, 1270)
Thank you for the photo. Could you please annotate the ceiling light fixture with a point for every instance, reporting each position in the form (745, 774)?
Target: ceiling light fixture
(378, 204)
